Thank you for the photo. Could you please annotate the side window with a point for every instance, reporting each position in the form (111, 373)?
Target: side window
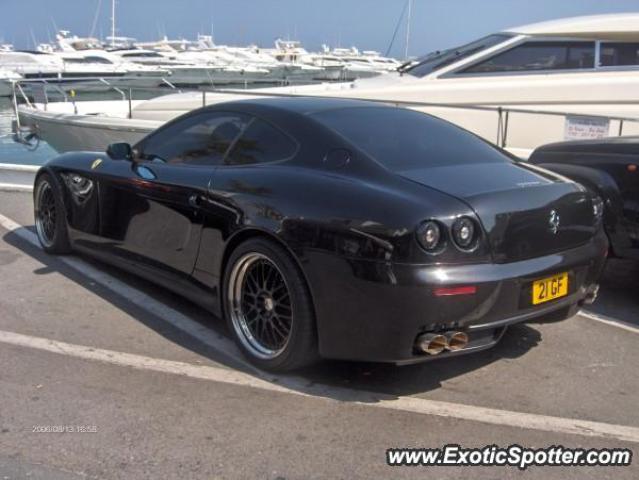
(533, 56)
(261, 143)
(618, 54)
(199, 140)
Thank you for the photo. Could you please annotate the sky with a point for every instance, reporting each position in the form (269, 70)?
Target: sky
(367, 24)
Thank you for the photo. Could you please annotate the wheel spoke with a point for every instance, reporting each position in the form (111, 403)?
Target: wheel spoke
(252, 282)
(271, 278)
(281, 330)
(283, 309)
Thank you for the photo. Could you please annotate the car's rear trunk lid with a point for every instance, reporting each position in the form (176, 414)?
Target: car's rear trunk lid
(526, 212)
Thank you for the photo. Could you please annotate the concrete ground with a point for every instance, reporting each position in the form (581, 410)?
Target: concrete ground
(147, 385)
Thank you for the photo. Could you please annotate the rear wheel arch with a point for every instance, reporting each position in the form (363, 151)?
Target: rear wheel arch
(253, 233)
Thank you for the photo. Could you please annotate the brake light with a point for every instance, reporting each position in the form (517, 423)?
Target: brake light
(450, 291)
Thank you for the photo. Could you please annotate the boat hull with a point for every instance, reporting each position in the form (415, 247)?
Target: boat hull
(70, 133)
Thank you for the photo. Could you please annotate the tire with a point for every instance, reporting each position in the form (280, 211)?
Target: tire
(50, 216)
(268, 307)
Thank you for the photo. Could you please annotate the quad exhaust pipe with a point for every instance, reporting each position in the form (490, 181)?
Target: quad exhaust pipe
(432, 343)
(436, 343)
(456, 341)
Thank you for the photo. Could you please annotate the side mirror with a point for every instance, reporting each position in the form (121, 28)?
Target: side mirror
(120, 151)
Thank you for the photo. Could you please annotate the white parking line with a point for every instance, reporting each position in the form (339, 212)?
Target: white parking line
(613, 322)
(354, 397)
(284, 384)
(15, 187)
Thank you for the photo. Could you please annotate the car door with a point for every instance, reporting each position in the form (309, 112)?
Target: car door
(151, 209)
(238, 191)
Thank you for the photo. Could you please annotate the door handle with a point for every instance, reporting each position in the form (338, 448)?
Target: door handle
(145, 172)
(195, 200)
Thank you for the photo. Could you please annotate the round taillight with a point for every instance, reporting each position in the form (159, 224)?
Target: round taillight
(429, 235)
(464, 233)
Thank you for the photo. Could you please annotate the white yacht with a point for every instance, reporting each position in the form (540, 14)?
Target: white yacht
(363, 64)
(190, 69)
(7, 77)
(77, 63)
(87, 53)
(250, 58)
(299, 63)
(520, 88)
(77, 70)
(31, 64)
(117, 71)
(163, 59)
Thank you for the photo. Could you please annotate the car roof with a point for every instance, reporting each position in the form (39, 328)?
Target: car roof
(622, 145)
(301, 105)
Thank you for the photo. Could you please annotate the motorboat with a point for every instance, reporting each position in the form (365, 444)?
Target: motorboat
(192, 69)
(32, 64)
(253, 57)
(88, 53)
(79, 64)
(161, 60)
(518, 88)
(368, 63)
(300, 63)
(79, 71)
(120, 73)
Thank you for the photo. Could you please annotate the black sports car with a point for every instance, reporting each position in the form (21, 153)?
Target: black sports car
(610, 168)
(333, 228)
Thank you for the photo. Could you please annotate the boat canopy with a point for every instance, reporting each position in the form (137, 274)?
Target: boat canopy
(615, 27)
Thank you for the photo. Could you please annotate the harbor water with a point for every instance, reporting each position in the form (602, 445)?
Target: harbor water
(16, 153)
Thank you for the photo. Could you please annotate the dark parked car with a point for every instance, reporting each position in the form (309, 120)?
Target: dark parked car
(610, 168)
(333, 228)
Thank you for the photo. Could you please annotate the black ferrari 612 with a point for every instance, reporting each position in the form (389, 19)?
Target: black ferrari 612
(332, 228)
(610, 168)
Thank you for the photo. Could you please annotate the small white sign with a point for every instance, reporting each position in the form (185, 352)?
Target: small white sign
(580, 127)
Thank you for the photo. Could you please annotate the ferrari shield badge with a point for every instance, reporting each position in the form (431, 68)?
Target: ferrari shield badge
(96, 163)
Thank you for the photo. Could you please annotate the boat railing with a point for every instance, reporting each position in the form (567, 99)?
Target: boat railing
(502, 114)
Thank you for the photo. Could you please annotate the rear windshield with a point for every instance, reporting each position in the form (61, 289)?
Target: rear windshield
(402, 139)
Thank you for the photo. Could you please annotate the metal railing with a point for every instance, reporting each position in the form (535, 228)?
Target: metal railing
(503, 114)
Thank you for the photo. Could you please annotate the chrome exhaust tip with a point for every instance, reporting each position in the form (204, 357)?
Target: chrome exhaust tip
(591, 294)
(456, 340)
(432, 343)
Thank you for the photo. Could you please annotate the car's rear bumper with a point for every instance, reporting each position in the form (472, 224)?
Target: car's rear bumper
(374, 311)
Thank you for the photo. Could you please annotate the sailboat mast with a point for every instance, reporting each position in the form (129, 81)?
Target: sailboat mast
(410, 9)
(112, 23)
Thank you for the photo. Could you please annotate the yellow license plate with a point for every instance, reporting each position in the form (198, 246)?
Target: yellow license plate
(550, 288)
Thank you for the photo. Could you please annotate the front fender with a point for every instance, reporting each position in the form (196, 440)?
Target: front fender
(75, 178)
